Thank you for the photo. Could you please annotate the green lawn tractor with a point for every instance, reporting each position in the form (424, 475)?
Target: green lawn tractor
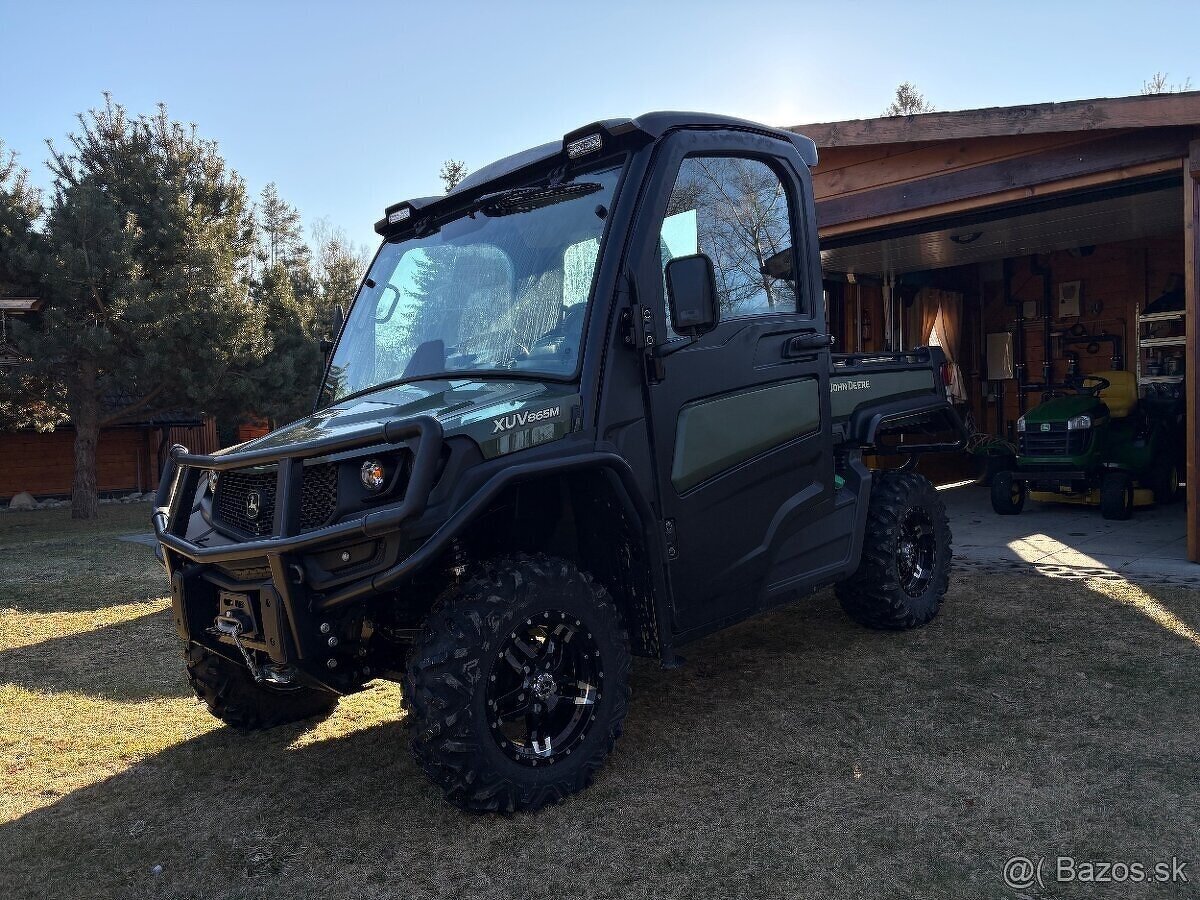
(1097, 444)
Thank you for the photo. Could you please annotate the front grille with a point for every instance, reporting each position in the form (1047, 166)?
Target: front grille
(1058, 441)
(232, 505)
(245, 500)
(318, 495)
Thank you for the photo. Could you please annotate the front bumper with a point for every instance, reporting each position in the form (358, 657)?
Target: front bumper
(270, 575)
(1053, 480)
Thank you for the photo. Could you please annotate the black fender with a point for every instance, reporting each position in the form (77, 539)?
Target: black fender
(866, 424)
(619, 475)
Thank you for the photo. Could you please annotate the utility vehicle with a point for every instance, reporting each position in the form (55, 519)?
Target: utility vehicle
(583, 407)
(1097, 444)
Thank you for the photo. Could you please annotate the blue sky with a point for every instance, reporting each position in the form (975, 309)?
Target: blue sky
(351, 106)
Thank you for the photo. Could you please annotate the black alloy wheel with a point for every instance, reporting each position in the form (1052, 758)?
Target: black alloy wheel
(904, 569)
(916, 549)
(518, 684)
(543, 690)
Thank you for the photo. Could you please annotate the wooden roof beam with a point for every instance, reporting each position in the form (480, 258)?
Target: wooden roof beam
(1155, 110)
(972, 185)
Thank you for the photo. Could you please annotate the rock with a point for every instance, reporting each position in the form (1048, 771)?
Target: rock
(23, 500)
(149, 496)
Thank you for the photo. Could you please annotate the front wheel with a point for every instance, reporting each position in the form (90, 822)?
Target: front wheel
(519, 683)
(905, 566)
(1116, 496)
(233, 696)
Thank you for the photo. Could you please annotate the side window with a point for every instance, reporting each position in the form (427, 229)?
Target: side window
(579, 265)
(735, 211)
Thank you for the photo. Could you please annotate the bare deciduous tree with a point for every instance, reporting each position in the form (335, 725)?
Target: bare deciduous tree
(1158, 84)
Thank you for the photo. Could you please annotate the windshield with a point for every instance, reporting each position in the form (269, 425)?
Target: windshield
(501, 289)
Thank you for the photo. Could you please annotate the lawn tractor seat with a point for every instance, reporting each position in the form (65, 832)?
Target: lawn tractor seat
(1121, 395)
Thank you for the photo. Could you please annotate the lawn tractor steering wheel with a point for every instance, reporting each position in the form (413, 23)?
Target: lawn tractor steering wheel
(1091, 385)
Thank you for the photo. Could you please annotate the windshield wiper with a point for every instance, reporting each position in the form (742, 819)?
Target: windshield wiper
(527, 199)
(455, 375)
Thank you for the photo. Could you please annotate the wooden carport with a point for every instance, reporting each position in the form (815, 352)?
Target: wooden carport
(892, 191)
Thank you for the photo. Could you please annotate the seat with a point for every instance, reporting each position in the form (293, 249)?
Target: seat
(1121, 395)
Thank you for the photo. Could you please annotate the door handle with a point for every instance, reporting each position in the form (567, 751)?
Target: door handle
(805, 343)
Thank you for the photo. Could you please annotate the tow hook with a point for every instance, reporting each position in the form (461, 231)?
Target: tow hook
(230, 625)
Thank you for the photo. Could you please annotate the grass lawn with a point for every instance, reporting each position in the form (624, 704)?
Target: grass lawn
(796, 755)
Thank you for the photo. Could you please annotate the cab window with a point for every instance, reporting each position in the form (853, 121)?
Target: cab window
(735, 211)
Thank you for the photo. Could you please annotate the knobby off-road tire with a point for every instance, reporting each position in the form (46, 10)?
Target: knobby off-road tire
(905, 565)
(231, 694)
(1008, 494)
(1116, 496)
(519, 684)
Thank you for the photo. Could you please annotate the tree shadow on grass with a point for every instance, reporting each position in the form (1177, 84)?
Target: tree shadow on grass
(128, 661)
(78, 576)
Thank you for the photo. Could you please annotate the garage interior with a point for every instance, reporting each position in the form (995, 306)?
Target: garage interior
(1032, 244)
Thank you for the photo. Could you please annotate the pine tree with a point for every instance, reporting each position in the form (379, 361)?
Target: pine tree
(908, 101)
(27, 399)
(147, 237)
(453, 171)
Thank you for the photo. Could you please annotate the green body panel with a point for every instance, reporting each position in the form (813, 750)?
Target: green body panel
(1060, 409)
(848, 393)
(500, 416)
(716, 434)
(1112, 443)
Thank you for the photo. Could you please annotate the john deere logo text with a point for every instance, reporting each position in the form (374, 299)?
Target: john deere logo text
(516, 420)
(837, 386)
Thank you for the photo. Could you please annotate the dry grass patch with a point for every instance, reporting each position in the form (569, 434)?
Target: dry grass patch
(794, 756)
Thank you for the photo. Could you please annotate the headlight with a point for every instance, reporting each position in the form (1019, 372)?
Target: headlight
(1021, 424)
(1079, 423)
(373, 474)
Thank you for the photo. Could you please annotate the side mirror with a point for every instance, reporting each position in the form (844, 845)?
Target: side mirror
(692, 295)
(337, 318)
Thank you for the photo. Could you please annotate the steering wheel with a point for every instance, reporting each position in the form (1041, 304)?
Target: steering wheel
(1091, 385)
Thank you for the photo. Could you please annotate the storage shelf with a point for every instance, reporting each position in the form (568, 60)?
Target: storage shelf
(1162, 316)
(1163, 341)
(1160, 379)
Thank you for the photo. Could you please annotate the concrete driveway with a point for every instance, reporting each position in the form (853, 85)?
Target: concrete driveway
(1062, 541)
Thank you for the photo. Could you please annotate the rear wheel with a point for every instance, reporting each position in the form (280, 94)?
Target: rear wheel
(905, 565)
(1008, 494)
(519, 683)
(1116, 496)
(233, 696)
(1165, 483)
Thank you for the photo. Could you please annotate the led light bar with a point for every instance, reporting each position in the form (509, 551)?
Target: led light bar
(583, 146)
(399, 215)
